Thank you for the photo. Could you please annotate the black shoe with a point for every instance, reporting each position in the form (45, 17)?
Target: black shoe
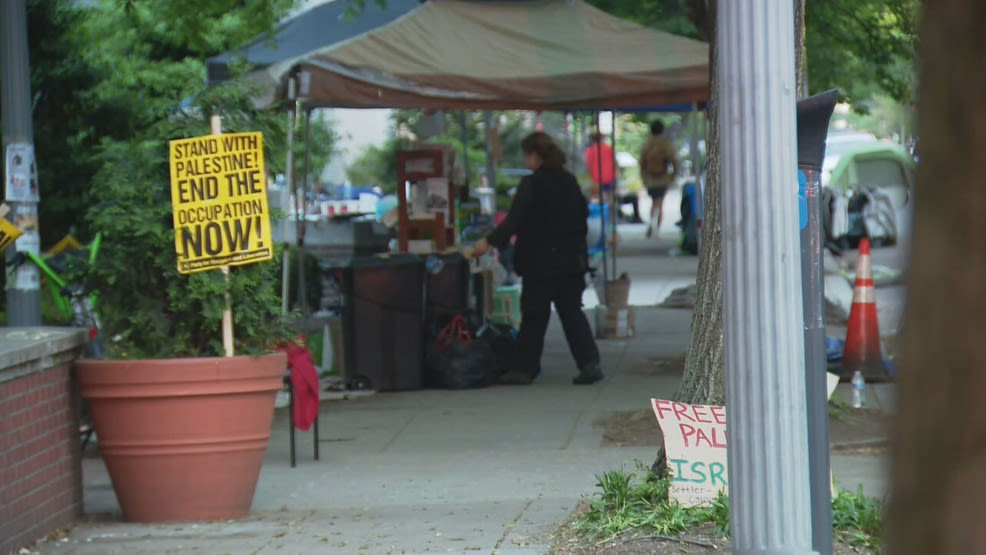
(515, 378)
(588, 375)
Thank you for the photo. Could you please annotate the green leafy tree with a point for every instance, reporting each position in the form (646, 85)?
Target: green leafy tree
(104, 71)
(862, 47)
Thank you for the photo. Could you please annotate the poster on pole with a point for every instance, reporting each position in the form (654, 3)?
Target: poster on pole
(219, 198)
(21, 173)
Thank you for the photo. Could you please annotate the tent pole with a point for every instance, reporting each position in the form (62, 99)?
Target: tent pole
(490, 165)
(463, 122)
(303, 222)
(697, 171)
(614, 200)
(288, 185)
(570, 131)
(602, 209)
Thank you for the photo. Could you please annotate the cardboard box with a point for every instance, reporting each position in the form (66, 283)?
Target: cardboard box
(618, 292)
(615, 322)
(483, 291)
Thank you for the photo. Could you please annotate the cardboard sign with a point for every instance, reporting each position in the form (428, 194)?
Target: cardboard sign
(695, 443)
(219, 195)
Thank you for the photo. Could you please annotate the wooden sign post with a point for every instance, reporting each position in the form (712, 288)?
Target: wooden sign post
(217, 129)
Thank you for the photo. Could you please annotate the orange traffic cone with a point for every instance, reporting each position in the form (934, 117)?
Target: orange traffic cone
(862, 351)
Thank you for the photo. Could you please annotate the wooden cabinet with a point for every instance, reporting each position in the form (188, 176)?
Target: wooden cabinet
(426, 198)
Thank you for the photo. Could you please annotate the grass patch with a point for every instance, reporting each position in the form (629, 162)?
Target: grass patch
(637, 502)
(857, 519)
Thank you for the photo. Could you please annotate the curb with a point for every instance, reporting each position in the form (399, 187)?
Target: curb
(861, 444)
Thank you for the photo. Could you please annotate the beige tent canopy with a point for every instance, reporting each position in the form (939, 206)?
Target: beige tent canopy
(537, 55)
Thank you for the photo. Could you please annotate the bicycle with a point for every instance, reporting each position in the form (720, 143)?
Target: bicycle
(65, 267)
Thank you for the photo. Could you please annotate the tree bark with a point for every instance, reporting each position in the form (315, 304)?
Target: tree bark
(703, 381)
(799, 48)
(939, 469)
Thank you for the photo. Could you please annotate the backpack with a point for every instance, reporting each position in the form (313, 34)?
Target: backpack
(655, 158)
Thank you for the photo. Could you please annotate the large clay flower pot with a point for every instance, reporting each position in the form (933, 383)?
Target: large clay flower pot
(183, 439)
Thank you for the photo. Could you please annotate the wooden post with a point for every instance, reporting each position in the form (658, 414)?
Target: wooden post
(217, 129)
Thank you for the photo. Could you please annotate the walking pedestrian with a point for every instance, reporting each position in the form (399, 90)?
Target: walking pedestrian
(655, 157)
(548, 217)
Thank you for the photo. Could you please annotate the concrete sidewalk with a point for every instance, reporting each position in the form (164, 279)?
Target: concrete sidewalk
(492, 470)
(484, 470)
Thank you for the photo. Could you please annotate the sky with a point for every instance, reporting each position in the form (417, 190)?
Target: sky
(357, 129)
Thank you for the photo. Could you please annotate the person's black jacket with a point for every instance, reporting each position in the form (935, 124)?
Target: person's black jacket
(549, 217)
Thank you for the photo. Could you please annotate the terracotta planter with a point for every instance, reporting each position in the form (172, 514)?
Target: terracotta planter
(183, 439)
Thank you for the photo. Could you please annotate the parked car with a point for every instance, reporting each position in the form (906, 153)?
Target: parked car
(867, 191)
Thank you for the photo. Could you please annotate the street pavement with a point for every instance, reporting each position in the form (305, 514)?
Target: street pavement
(492, 470)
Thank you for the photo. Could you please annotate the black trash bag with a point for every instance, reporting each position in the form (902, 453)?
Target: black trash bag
(457, 361)
(502, 339)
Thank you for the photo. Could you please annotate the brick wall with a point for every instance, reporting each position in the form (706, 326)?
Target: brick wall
(40, 467)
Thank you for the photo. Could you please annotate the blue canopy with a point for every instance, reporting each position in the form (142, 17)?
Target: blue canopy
(328, 23)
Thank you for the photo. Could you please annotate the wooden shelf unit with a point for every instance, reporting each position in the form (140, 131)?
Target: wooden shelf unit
(415, 167)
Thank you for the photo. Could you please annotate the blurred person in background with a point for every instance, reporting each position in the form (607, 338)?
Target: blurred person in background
(658, 169)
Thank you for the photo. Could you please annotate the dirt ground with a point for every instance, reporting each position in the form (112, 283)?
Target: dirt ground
(850, 430)
(702, 539)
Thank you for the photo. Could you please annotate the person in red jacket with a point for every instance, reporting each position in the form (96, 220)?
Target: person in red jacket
(604, 174)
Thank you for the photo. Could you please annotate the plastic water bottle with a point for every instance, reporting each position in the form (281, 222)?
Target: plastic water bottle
(858, 390)
(434, 265)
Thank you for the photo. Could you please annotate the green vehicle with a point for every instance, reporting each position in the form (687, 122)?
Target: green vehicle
(867, 191)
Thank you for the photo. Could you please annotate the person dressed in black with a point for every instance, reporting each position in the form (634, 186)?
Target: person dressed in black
(548, 216)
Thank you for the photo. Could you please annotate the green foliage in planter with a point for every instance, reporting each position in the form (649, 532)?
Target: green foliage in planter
(149, 310)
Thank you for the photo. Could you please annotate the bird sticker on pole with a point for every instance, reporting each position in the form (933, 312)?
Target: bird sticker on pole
(219, 195)
(8, 231)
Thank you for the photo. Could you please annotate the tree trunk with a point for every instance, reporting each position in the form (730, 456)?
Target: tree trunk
(799, 48)
(939, 470)
(703, 382)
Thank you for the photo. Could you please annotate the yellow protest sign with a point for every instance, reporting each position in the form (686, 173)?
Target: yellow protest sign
(219, 195)
(8, 233)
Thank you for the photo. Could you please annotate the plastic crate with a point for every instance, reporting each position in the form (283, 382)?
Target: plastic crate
(506, 306)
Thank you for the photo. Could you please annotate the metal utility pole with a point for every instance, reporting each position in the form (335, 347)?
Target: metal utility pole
(20, 168)
(770, 508)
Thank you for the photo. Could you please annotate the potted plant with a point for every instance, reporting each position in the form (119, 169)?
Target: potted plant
(182, 428)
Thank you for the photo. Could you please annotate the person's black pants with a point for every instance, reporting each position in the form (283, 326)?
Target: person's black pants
(536, 298)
